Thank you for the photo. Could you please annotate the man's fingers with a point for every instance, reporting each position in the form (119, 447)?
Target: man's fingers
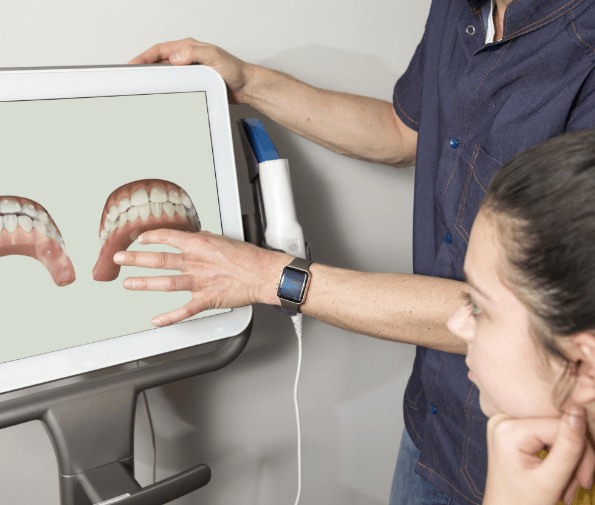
(167, 261)
(169, 283)
(155, 54)
(204, 54)
(174, 238)
(160, 52)
(175, 316)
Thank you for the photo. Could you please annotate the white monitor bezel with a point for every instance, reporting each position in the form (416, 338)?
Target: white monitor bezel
(84, 82)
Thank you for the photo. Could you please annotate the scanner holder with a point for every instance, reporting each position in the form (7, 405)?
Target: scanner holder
(258, 148)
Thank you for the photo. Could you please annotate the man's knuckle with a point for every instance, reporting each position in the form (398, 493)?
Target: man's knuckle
(161, 260)
(163, 234)
(172, 284)
(130, 258)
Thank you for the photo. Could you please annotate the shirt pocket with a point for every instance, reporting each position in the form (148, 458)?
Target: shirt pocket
(480, 171)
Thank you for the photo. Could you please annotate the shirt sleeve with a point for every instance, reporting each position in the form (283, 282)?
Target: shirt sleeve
(407, 92)
(582, 116)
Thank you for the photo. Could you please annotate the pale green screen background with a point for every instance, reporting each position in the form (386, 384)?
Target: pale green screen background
(68, 156)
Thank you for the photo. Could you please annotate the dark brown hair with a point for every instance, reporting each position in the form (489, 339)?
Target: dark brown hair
(544, 202)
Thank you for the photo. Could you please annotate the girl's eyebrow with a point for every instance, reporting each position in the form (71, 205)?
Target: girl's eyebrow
(474, 286)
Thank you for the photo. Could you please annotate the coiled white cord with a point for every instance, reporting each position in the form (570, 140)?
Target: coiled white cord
(297, 324)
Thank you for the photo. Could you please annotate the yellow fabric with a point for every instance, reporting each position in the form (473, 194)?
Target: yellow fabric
(583, 497)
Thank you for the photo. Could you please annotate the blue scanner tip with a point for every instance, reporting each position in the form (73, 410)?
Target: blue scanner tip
(259, 139)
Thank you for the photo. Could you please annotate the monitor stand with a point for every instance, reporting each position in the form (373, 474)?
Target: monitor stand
(91, 426)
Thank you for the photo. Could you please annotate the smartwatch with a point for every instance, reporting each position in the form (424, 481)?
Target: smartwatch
(293, 284)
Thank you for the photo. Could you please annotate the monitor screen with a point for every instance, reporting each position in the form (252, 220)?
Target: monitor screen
(81, 178)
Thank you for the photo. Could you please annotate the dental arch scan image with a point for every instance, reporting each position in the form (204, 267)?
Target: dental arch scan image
(82, 179)
(26, 228)
(137, 207)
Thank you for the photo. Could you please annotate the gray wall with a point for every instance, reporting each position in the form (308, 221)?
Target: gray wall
(240, 420)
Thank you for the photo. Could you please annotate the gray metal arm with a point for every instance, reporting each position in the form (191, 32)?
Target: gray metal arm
(91, 428)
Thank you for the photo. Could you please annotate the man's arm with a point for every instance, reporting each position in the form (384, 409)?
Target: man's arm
(356, 126)
(401, 307)
(220, 272)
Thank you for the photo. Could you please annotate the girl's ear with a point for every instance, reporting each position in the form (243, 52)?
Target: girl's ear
(583, 349)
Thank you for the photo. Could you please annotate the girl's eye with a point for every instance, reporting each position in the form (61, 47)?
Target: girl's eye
(475, 309)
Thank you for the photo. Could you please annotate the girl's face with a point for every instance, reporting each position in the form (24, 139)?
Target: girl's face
(502, 357)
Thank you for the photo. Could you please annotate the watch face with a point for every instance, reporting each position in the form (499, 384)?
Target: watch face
(292, 285)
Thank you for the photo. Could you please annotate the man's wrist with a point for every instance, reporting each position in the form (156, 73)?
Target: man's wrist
(249, 73)
(272, 274)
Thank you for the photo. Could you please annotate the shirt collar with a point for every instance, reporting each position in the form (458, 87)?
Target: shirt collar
(523, 16)
(487, 12)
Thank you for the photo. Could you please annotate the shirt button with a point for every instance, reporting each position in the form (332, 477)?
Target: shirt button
(470, 30)
(447, 238)
(434, 410)
(454, 143)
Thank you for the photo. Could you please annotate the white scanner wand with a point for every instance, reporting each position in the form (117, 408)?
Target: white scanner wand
(279, 227)
(282, 231)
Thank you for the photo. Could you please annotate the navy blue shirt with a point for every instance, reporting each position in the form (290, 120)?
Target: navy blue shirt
(475, 106)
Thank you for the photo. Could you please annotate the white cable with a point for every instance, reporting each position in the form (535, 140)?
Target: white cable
(297, 324)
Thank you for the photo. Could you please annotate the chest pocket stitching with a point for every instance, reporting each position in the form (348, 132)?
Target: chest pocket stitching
(480, 185)
(458, 222)
(471, 121)
(470, 172)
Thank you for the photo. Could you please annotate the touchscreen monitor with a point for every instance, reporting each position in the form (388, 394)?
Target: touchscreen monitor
(91, 158)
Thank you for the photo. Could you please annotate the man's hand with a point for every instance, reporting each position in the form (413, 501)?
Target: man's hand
(186, 51)
(517, 476)
(219, 272)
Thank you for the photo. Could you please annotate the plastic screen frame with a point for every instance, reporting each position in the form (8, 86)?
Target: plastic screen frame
(84, 82)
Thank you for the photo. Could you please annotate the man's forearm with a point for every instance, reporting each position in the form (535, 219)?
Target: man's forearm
(356, 126)
(401, 307)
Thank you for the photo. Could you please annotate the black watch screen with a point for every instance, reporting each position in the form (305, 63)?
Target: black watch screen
(293, 284)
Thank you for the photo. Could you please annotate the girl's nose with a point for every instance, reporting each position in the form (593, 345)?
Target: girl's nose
(462, 323)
